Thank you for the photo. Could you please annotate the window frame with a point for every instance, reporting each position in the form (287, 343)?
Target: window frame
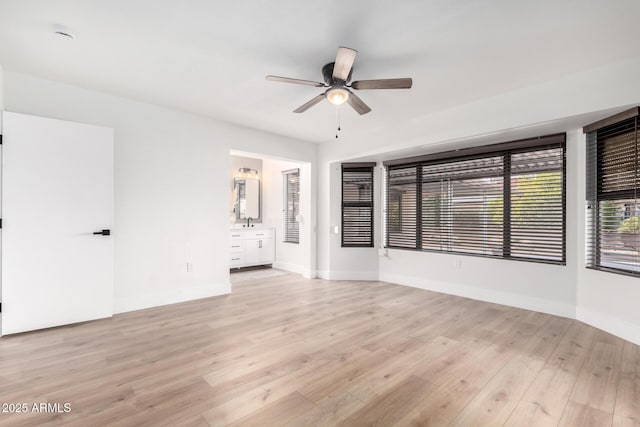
(506, 149)
(593, 197)
(367, 167)
(287, 235)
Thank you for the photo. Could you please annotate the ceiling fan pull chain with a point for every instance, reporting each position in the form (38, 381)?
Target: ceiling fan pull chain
(338, 119)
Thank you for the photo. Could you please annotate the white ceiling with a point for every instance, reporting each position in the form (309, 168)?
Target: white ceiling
(210, 57)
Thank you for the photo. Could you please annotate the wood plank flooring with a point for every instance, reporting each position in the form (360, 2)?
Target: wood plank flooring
(286, 351)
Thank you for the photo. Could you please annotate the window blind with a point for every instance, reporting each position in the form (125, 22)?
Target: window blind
(291, 205)
(357, 204)
(503, 200)
(612, 205)
(537, 204)
(402, 208)
(462, 206)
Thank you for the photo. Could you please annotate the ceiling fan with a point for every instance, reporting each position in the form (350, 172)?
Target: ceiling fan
(337, 76)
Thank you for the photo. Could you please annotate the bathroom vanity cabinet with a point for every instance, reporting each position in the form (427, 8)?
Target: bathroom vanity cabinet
(251, 247)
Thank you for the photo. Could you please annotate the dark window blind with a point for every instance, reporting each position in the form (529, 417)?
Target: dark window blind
(505, 200)
(612, 205)
(402, 187)
(462, 206)
(537, 205)
(291, 208)
(357, 204)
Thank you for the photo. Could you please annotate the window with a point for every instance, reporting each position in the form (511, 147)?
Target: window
(502, 200)
(613, 184)
(291, 205)
(357, 204)
(395, 209)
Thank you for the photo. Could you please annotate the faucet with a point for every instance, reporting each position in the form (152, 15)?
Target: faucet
(248, 219)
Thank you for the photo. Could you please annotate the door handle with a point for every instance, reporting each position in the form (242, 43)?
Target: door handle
(102, 233)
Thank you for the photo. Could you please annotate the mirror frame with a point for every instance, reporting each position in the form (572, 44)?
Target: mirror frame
(236, 205)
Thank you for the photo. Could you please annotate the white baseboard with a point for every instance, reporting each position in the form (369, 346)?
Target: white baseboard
(347, 275)
(139, 302)
(621, 328)
(295, 268)
(309, 274)
(323, 274)
(287, 266)
(482, 294)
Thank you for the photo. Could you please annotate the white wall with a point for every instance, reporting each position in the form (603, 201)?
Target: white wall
(1, 93)
(289, 256)
(171, 187)
(1, 108)
(604, 300)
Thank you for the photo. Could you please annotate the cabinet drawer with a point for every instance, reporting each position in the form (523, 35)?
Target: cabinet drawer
(260, 234)
(236, 259)
(237, 245)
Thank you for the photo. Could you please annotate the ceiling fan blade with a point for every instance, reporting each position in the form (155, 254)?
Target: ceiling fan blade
(383, 84)
(306, 106)
(295, 81)
(358, 104)
(344, 62)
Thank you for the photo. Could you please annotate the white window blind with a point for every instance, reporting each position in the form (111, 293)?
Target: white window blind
(291, 205)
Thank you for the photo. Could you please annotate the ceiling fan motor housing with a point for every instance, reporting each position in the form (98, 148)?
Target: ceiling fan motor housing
(327, 74)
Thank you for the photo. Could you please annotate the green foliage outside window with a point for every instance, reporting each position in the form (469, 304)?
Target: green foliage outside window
(630, 225)
(527, 190)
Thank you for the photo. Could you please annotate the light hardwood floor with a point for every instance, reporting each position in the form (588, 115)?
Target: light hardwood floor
(290, 351)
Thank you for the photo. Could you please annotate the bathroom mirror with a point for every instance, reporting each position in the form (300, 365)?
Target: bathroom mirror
(247, 191)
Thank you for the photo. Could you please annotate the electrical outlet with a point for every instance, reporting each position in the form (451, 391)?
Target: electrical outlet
(189, 267)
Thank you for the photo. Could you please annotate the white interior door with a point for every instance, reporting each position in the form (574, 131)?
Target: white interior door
(57, 190)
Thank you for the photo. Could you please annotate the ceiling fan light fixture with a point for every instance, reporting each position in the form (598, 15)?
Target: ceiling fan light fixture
(337, 95)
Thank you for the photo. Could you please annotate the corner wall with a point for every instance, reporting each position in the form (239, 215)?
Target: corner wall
(346, 263)
(171, 187)
(289, 256)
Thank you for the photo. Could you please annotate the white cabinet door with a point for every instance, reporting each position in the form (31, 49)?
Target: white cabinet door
(57, 191)
(252, 252)
(266, 251)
